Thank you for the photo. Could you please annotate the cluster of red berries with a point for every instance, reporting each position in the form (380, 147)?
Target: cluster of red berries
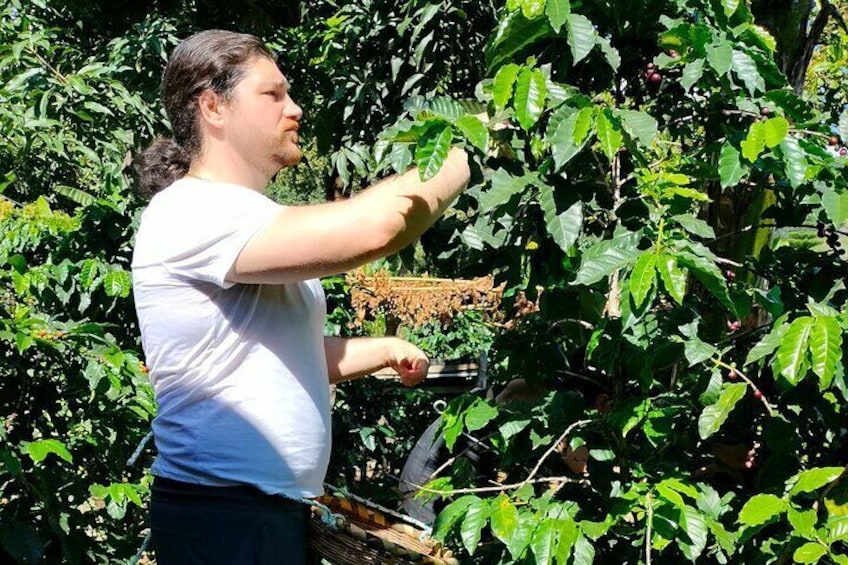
(733, 325)
(652, 74)
(834, 141)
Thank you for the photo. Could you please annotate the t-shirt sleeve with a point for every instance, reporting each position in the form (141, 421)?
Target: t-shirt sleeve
(214, 225)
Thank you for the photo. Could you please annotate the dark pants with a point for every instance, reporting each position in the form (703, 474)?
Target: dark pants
(195, 524)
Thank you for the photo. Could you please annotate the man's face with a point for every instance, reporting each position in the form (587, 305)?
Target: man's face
(263, 119)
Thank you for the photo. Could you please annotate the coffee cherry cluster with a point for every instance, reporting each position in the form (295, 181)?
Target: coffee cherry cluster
(652, 74)
(828, 232)
(833, 142)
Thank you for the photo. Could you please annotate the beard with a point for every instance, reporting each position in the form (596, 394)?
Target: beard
(288, 153)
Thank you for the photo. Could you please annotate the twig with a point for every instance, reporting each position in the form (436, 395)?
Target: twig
(650, 509)
(720, 363)
(512, 486)
(552, 448)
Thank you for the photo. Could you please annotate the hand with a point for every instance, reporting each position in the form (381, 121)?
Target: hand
(410, 363)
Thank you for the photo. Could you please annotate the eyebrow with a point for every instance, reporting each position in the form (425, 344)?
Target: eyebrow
(284, 84)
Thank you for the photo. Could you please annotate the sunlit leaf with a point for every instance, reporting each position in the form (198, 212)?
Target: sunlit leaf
(730, 167)
(775, 130)
(673, 277)
(814, 479)
(530, 92)
(761, 508)
(432, 151)
(795, 159)
(581, 36)
(452, 512)
(639, 125)
(714, 415)
(476, 517)
(563, 227)
(609, 133)
(825, 349)
(558, 12)
(643, 276)
(792, 352)
(503, 85)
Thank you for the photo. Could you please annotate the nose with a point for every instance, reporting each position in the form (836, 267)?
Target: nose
(293, 111)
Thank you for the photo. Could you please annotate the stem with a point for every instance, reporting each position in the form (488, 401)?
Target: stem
(765, 402)
(648, 534)
(512, 486)
(553, 447)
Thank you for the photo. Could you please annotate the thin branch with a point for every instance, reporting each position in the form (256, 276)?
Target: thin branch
(552, 448)
(512, 486)
(742, 376)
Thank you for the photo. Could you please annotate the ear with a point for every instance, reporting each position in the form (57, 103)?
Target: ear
(212, 108)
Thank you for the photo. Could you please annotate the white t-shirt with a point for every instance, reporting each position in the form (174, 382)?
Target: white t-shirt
(239, 371)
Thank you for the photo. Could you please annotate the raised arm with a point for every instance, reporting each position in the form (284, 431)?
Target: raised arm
(305, 242)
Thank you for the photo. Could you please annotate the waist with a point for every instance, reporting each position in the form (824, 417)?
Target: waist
(170, 490)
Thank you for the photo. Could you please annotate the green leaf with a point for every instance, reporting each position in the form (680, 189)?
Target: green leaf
(695, 528)
(118, 283)
(694, 225)
(476, 516)
(795, 160)
(504, 186)
(452, 512)
(725, 539)
(564, 228)
(835, 205)
(567, 537)
(563, 146)
(706, 271)
(609, 133)
(761, 508)
(730, 168)
(523, 533)
(606, 257)
(639, 125)
(825, 349)
(611, 54)
(814, 479)
(720, 57)
(474, 131)
(729, 6)
(584, 553)
(504, 518)
(643, 276)
(479, 414)
(558, 12)
(804, 522)
(532, 8)
(581, 37)
(673, 277)
(692, 73)
(502, 86)
(530, 93)
(768, 344)
(754, 142)
(714, 416)
(513, 34)
(810, 552)
(583, 124)
(843, 126)
(775, 130)
(543, 543)
(39, 450)
(432, 151)
(792, 352)
(746, 69)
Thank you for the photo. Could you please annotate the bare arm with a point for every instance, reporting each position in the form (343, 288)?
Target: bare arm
(305, 242)
(350, 358)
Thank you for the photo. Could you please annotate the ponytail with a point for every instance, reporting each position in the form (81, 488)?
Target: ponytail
(164, 162)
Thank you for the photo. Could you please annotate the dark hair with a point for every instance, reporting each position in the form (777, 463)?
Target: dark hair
(213, 59)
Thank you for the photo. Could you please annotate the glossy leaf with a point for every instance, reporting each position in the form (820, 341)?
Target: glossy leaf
(606, 257)
(720, 57)
(118, 283)
(673, 277)
(502, 86)
(792, 353)
(775, 130)
(803, 522)
(449, 516)
(584, 553)
(432, 151)
(563, 147)
(474, 131)
(544, 540)
(583, 124)
(825, 349)
(761, 508)
(714, 416)
(530, 93)
(730, 6)
(504, 186)
(692, 73)
(639, 125)
(558, 12)
(746, 69)
(40, 449)
(695, 528)
(835, 205)
(754, 142)
(643, 276)
(810, 552)
(523, 534)
(730, 167)
(695, 226)
(476, 517)
(504, 518)
(563, 227)
(814, 479)
(479, 414)
(567, 537)
(581, 36)
(609, 133)
(770, 342)
(795, 160)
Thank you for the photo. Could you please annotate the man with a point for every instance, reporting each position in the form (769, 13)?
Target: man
(231, 310)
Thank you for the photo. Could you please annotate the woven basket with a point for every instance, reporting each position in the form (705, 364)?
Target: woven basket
(363, 535)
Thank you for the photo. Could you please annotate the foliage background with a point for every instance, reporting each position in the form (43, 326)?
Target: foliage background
(679, 238)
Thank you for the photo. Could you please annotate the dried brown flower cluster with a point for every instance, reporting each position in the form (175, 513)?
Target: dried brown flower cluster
(413, 301)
